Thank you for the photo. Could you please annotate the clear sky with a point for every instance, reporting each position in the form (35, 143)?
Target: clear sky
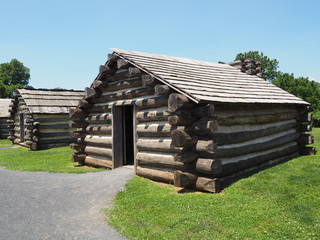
(63, 42)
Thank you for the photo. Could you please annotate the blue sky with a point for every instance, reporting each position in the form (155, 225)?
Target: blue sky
(64, 42)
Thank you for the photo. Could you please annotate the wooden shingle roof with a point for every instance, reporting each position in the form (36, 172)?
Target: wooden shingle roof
(4, 107)
(50, 101)
(206, 81)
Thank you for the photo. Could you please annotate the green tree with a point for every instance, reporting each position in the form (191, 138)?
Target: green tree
(13, 75)
(268, 66)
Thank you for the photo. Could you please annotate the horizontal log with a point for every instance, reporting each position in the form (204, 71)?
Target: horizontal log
(234, 164)
(105, 70)
(179, 102)
(162, 90)
(157, 114)
(203, 127)
(155, 129)
(152, 102)
(206, 146)
(65, 141)
(148, 80)
(99, 85)
(157, 144)
(184, 179)
(84, 104)
(306, 117)
(123, 84)
(98, 109)
(10, 121)
(162, 160)
(182, 139)
(99, 118)
(186, 157)
(206, 185)
(204, 111)
(98, 151)
(303, 128)
(303, 150)
(242, 133)
(126, 93)
(78, 134)
(181, 119)
(54, 126)
(77, 113)
(254, 119)
(94, 140)
(99, 130)
(255, 145)
(11, 138)
(77, 146)
(155, 174)
(305, 139)
(78, 157)
(91, 93)
(96, 161)
(78, 124)
(124, 74)
(208, 166)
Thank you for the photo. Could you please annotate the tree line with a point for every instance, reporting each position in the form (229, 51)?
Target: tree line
(301, 87)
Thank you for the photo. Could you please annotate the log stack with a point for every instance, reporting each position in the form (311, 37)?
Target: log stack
(249, 66)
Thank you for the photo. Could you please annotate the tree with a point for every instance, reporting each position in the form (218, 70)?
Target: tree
(13, 75)
(268, 67)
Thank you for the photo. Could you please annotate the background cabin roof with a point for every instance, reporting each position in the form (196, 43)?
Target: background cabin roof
(4, 107)
(50, 101)
(207, 81)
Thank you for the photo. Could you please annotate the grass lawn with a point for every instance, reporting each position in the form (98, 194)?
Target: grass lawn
(5, 143)
(282, 202)
(55, 160)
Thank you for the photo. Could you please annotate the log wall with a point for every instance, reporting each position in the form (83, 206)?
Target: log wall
(4, 131)
(177, 141)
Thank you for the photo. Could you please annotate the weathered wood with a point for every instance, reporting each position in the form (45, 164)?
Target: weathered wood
(255, 145)
(93, 140)
(306, 117)
(35, 138)
(159, 114)
(184, 179)
(206, 184)
(155, 129)
(35, 131)
(123, 84)
(181, 118)
(11, 138)
(98, 162)
(99, 130)
(98, 84)
(77, 113)
(182, 139)
(130, 93)
(99, 118)
(303, 150)
(78, 134)
(148, 80)
(36, 124)
(304, 128)
(178, 102)
(203, 127)
(98, 151)
(124, 74)
(54, 126)
(162, 160)
(155, 174)
(78, 124)
(205, 111)
(162, 90)
(305, 139)
(84, 104)
(91, 93)
(105, 70)
(208, 166)
(157, 144)
(78, 146)
(186, 157)
(75, 157)
(242, 133)
(121, 63)
(98, 109)
(206, 146)
(151, 102)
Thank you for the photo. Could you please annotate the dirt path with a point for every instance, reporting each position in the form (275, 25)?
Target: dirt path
(39, 205)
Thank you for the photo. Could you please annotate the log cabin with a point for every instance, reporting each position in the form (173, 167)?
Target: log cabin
(4, 116)
(39, 118)
(190, 123)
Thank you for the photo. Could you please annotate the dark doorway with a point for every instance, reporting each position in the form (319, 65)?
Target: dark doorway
(21, 118)
(123, 136)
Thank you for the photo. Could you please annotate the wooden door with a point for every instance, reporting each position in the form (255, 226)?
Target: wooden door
(21, 118)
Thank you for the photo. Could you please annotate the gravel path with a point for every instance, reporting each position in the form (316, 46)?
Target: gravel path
(39, 205)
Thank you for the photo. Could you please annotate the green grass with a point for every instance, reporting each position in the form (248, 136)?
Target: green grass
(282, 202)
(55, 160)
(5, 143)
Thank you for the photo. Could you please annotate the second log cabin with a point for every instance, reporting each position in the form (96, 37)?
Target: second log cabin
(4, 117)
(191, 123)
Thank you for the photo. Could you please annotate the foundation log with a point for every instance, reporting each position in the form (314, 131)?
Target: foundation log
(97, 162)
(307, 150)
(155, 174)
(98, 151)
(184, 179)
(206, 184)
(179, 102)
(78, 157)
(208, 166)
